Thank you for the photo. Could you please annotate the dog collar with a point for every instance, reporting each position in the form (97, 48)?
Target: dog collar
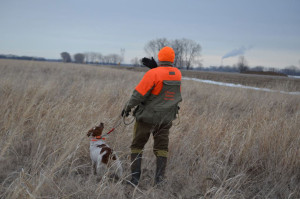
(98, 138)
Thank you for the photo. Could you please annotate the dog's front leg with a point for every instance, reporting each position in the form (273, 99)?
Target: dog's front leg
(101, 168)
(118, 168)
(93, 170)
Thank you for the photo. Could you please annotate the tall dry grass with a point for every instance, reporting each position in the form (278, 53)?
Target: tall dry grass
(230, 143)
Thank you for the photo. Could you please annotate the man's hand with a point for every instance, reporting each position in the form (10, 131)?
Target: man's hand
(125, 113)
(150, 63)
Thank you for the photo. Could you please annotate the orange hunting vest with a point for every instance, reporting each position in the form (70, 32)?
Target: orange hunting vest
(161, 88)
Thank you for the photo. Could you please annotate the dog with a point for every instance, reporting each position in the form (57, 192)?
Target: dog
(104, 159)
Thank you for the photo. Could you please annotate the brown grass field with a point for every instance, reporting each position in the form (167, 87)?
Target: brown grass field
(230, 142)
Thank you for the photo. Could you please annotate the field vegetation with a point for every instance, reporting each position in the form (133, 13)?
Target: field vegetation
(228, 143)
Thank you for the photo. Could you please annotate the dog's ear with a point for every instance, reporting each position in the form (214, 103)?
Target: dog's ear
(101, 127)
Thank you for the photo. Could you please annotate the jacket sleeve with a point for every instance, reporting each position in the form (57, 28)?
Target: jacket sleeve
(142, 91)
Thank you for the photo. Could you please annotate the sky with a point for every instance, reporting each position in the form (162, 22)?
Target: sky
(266, 32)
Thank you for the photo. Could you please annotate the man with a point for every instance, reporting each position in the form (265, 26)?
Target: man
(156, 97)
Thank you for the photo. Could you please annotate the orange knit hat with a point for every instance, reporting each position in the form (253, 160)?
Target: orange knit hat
(166, 54)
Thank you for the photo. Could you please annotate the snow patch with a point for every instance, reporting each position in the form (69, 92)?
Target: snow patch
(294, 76)
(238, 86)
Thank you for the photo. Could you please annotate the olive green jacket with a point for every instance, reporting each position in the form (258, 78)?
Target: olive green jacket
(157, 96)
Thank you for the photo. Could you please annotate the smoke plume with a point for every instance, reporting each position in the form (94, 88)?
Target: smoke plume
(236, 52)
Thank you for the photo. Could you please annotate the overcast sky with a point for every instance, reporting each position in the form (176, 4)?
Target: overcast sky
(267, 32)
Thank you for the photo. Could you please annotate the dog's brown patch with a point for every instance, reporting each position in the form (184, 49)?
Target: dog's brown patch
(96, 131)
(109, 153)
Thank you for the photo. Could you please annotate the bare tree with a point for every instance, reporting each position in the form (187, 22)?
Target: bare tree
(136, 62)
(152, 47)
(105, 59)
(99, 57)
(177, 45)
(114, 58)
(120, 59)
(87, 57)
(190, 52)
(93, 57)
(79, 58)
(242, 64)
(65, 57)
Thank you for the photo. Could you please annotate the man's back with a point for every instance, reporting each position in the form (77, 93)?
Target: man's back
(162, 89)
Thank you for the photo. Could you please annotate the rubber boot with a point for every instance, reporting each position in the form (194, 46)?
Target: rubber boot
(136, 162)
(161, 163)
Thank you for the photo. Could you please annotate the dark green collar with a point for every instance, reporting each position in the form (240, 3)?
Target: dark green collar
(165, 63)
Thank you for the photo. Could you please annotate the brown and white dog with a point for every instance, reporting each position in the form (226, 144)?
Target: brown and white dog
(102, 156)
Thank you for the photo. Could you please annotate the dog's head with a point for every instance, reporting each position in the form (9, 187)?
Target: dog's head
(96, 131)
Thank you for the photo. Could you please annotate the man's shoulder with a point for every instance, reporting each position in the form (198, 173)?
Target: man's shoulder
(151, 72)
(176, 69)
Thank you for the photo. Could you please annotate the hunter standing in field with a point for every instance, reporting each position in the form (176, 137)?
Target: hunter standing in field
(156, 97)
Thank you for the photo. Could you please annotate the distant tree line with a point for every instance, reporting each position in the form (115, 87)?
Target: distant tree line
(136, 62)
(291, 70)
(186, 60)
(92, 58)
(22, 57)
(242, 67)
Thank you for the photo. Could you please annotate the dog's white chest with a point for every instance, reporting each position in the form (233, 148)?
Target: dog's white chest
(95, 150)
